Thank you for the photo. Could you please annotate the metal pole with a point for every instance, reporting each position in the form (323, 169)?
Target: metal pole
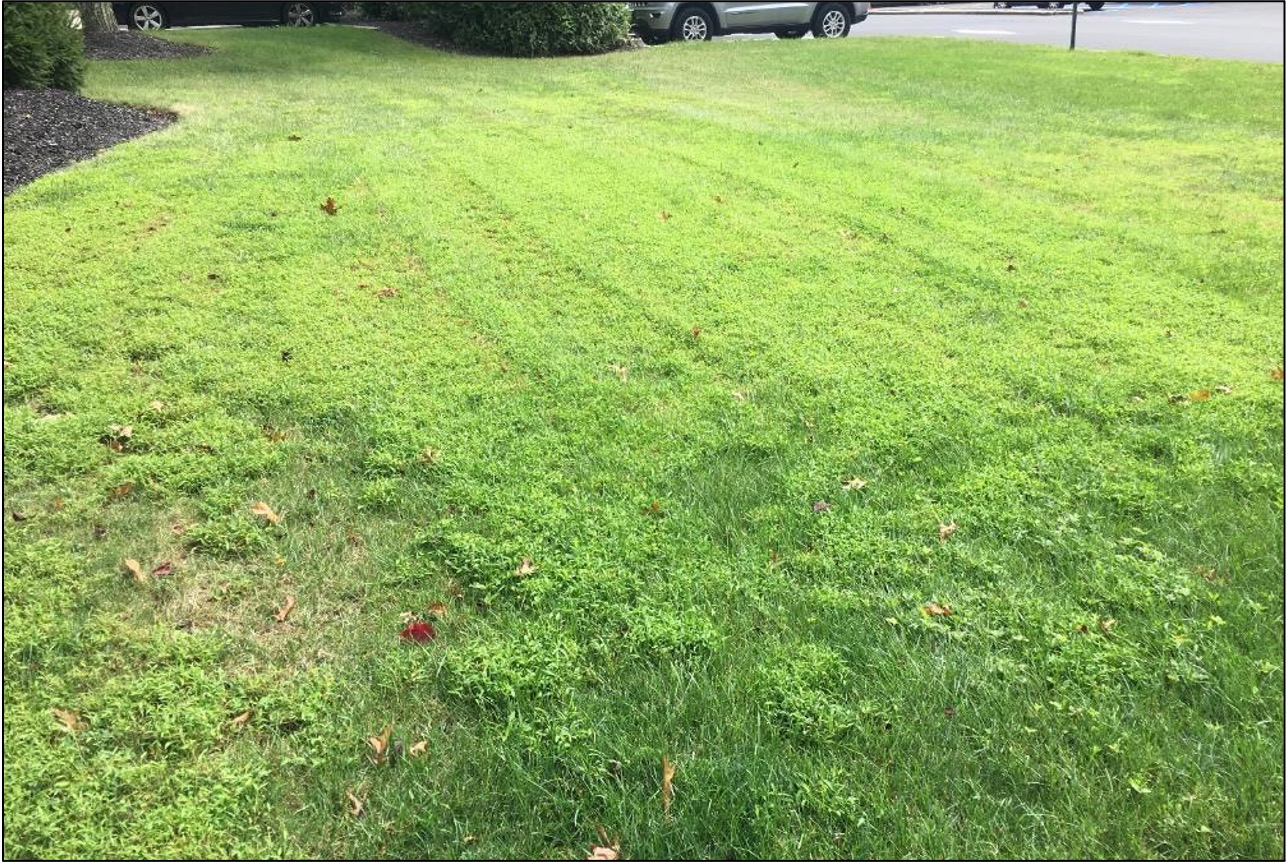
(1072, 42)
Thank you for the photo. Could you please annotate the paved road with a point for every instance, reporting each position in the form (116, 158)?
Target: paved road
(1239, 31)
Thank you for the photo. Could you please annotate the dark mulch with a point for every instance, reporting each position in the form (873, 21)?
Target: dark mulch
(132, 45)
(45, 130)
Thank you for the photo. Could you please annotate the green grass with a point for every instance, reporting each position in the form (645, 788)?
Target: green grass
(973, 275)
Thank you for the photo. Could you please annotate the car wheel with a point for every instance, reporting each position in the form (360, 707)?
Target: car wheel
(831, 22)
(299, 15)
(147, 16)
(692, 24)
(790, 34)
(1095, 7)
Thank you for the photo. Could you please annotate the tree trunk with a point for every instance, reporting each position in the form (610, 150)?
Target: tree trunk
(97, 17)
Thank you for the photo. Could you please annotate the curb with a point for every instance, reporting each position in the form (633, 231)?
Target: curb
(923, 10)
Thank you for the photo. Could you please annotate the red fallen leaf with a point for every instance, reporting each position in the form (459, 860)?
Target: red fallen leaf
(165, 568)
(329, 207)
(420, 632)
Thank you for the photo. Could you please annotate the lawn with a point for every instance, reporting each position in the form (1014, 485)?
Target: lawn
(884, 434)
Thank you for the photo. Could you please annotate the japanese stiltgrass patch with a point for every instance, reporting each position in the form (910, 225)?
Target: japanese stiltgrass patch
(611, 454)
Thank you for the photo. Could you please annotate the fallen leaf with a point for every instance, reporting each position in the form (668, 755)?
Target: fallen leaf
(934, 609)
(178, 528)
(274, 435)
(419, 631)
(387, 292)
(949, 711)
(945, 530)
(718, 199)
(663, 215)
(380, 744)
(822, 506)
(667, 791)
(1200, 395)
(117, 437)
(59, 504)
(1177, 398)
(1224, 389)
(1276, 374)
(240, 721)
(854, 484)
(654, 508)
(156, 405)
(122, 490)
(329, 207)
(70, 721)
(1106, 626)
(697, 331)
(418, 749)
(18, 516)
(608, 849)
(437, 610)
(429, 456)
(284, 611)
(164, 569)
(1023, 303)
(739, 395)
(133, 567)
(1208, 573)
(525, 568)
(621, 371)
(263, 510)
(355, 804)
(294, 138)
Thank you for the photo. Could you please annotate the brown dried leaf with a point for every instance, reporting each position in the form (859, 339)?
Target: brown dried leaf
(1276, 374)
(854, 484)
(667, 790)
(525, 568)
(663, 215)
(718, 199)
(697, 331)
(1106, 626)
(380, 744)
(387, 292)
(264, 511)
(437, 610)
(132, 566)
(609, 849)
(934, 609)
(284, 611)
(156, 405)
(945, 530)
(122, 490)
(419, 748)
(430, 456)
(1200, 395)
(355, 804)
(240, 721)
(70, 721)
(329, 207)
(163, 569)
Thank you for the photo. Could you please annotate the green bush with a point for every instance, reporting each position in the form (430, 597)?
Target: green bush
(524, 29)
(41, 48)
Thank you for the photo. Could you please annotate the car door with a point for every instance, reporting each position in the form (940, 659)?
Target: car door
(763, 15)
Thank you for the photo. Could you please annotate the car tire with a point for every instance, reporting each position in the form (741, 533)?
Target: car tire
(299, 15)
(692, 24)
(1095, 7)
(147, 16)
(790, 34)
(832, 21)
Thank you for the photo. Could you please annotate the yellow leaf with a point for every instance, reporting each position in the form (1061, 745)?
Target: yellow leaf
(380, 744)
(945, 530)
(355, 804)
(854, 484)
(133, 567)
(240, 721)
(437, 610)
(1200, 395)
(284, 611)
(525, 568)
(667, 791)
(263, 510)
(69, 720)
(421, 747)
(934, 609)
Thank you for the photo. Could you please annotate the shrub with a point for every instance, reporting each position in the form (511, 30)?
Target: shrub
(41, 48)
(525, 29)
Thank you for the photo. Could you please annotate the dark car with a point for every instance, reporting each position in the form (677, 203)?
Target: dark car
(154, 16)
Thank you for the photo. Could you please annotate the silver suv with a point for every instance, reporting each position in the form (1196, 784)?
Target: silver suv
(690, 22)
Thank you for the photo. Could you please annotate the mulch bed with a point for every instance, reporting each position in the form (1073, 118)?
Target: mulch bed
(45, 130)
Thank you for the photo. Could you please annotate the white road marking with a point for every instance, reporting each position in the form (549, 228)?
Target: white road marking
(987, 32)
